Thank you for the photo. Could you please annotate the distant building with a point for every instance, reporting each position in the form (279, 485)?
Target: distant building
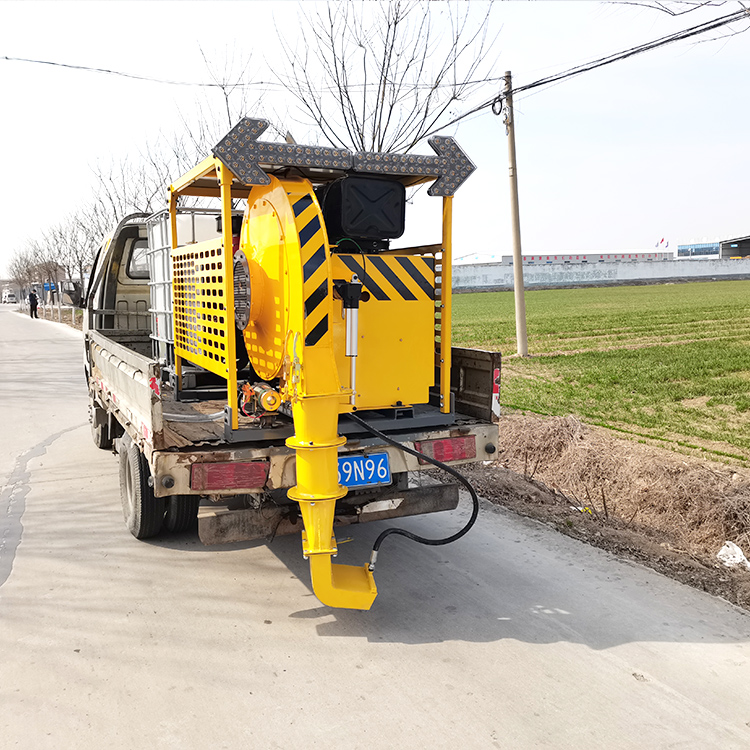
(579, 258)
(736, 248)
(699, 250)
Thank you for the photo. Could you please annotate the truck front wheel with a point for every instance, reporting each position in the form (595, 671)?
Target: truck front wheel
(144, 513)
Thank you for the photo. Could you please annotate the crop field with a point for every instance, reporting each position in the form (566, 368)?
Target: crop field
(665, 362)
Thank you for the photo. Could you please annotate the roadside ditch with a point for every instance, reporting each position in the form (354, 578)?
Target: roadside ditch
(668, 511)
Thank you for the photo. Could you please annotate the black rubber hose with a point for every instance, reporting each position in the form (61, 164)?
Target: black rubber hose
(450, 470)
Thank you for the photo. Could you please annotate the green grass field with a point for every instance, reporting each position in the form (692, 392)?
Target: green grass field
(668, 362)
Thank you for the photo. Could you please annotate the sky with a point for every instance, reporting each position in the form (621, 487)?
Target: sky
(650, 148)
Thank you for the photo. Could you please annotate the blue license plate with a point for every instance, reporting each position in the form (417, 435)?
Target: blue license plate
(364, 471)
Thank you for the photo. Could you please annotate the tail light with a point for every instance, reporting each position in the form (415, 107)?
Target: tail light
(229, 476)
(448, 449)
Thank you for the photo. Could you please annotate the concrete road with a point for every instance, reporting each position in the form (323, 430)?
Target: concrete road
(513, 637)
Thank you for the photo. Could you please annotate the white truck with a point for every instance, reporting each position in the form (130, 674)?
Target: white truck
(211, 436)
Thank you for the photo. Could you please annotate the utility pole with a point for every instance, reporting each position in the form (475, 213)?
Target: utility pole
(521, 342)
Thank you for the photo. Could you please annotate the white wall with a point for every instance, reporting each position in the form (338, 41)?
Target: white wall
(494, 275)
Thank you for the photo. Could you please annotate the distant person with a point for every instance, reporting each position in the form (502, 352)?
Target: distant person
(33, 304)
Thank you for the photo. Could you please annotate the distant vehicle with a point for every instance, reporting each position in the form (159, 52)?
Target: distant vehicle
(9, 297)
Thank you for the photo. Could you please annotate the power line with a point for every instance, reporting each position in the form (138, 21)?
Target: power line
(702, 28)
(201, 84)
(120, 73)
(495, 102)
(647, 47)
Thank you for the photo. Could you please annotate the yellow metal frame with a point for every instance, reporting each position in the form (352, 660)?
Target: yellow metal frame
(446, 305)
(203, 283)
(443, 258)
(205, 168)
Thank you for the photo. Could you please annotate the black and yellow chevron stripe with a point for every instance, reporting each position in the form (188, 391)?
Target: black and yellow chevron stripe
(389, 277)
(314, 267)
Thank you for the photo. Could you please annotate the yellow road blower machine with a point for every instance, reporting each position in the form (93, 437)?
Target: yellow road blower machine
(308, 314)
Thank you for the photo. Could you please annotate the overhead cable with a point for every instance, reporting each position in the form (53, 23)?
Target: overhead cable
(702, 28)
(202, 84)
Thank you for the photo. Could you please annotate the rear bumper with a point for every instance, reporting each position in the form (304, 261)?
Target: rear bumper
(218, 524)
(172, 469)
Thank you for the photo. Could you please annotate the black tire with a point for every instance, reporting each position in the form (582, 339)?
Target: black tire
(100, 426)
(143, 513)
(182, 513)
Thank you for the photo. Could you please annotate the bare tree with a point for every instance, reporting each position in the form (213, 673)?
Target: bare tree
(234, 94)
(46, 269)
(139, 182)
(75, 248)
(94, 221)
(64, 252)
(133, 183)
(383, 76)
(21, 269)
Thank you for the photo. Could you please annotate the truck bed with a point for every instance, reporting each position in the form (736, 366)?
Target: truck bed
(122, 365)
(130, 384)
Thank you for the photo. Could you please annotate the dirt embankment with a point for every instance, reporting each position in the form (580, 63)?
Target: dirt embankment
(665, 510)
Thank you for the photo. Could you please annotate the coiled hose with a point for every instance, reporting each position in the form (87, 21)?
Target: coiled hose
(403, 532)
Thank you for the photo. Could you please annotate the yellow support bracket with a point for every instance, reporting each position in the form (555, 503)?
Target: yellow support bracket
(446, 305)
(225, 181)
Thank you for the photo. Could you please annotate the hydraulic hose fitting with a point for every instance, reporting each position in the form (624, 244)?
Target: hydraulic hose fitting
(403, 532)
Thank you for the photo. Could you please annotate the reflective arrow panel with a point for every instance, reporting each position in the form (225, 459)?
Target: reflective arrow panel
(451, 166)
(242, 152)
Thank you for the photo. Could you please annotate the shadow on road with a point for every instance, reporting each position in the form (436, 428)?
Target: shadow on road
(508, 579)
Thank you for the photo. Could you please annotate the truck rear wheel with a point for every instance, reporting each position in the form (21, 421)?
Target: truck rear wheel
(100, 426)
(182, 511)
(143, 513)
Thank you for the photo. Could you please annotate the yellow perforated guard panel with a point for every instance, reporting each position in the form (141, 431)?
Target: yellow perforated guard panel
(201, 321)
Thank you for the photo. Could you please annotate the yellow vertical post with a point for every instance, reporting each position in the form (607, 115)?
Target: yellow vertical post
(173, 236)
(446, 283)
(226, 177)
